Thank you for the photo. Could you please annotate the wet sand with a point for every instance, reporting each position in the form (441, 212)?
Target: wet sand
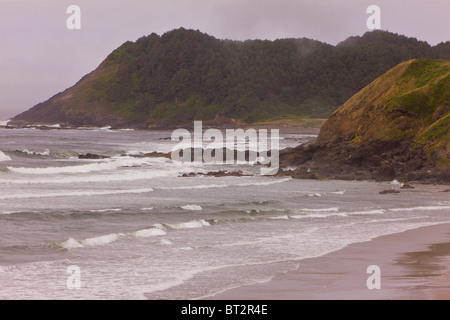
(414, 264)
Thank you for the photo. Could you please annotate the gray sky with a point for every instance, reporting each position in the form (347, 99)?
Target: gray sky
(40, 56)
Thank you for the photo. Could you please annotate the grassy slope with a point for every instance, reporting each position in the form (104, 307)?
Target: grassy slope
(409, 102)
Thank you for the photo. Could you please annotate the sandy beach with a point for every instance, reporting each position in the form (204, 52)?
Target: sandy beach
(414, 265)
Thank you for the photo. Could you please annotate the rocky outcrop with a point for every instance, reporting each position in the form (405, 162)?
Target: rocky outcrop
(372, 160)
(398, 127)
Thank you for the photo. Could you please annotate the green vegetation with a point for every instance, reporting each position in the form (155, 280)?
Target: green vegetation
(185, 75)
(409, 102)
(444, 162)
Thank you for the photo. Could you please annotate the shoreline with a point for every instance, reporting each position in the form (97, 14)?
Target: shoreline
(283, 128)
(414, 265)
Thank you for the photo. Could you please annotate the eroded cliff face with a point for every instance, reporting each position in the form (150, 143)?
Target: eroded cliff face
(397, 127)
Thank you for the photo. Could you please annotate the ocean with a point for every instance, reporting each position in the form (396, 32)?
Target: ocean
(131, 227)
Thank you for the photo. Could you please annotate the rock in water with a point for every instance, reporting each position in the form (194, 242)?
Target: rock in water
(389, 191)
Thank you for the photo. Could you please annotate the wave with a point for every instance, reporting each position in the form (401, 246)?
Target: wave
(338, 192)
(99, 177)
(316, 215)
(72, 243)
(332, 209)
(162, 229)
(75, 194)
(94, 241)
(426, 208)
(378, 211)
(190, 225)
(330, 212)
(261, 215)
(4, 157)
(284, 217)
(106, 164)
(192, 207)
(209, 186)
(105, 210)
(141, 148)
(263, 211)
(106, 129)
(28, 153)
(149, 232)
(167, 242)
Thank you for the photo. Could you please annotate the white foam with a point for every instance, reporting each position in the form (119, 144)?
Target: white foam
(192, 207)
(90, 242)
(332, 209)
(208, 186)
(107, 164)
(109, 238)
(186, 248)
(8, 212)
(379, 211)
(4, 123)
(190, 225)
(396, 183)
(4, 157)
(71, 244)
(317, 215)
(426, 208)
(338, 192)
(284, 217)
(74, 194)
(125, 175)
(147, 209)
(335, 213)
(167, 242)
(57, 126)
(150, 232)
(32, 153)
(105, 210)
(140, 148)
(102, 240)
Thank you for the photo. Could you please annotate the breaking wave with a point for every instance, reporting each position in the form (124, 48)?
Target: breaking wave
(4, 157)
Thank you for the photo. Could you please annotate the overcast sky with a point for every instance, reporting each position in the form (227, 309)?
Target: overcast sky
(40, 56)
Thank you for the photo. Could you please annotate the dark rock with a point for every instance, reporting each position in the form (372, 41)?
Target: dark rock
(92, 156)
(407, 186)
(389, 191)
(311, 176)
(220, 173)
(386, 173)
(223, 173)
(158, 155)
(187, 175)
(371, 160)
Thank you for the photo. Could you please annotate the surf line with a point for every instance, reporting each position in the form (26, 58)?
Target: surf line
(191, 149)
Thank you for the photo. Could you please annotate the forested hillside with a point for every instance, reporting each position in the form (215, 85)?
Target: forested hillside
(185, 75)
